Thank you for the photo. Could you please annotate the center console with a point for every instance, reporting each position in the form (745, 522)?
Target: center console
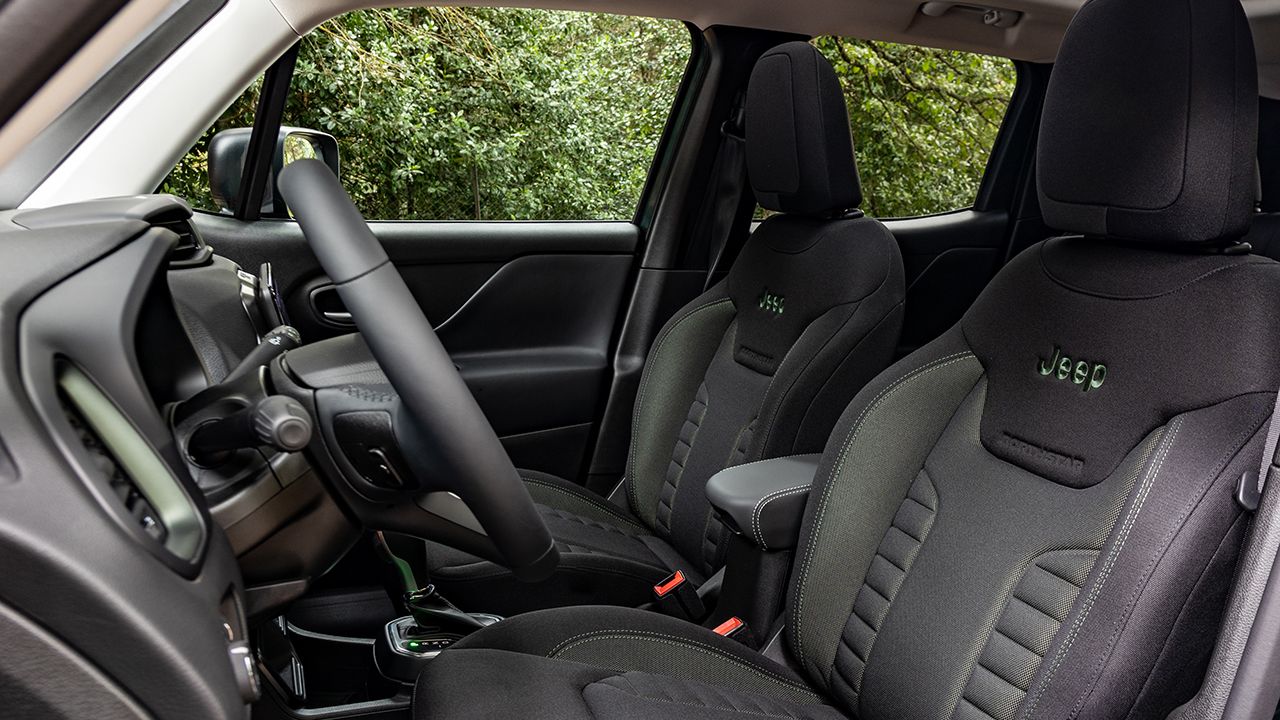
(763, 504)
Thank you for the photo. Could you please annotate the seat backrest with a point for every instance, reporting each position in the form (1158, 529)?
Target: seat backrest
(1033, 516)
(763, 363)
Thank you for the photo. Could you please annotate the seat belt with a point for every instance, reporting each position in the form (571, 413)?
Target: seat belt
(1249, 487)
(723, 208)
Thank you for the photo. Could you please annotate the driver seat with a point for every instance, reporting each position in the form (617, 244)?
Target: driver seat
(1033, 516)
(759, 366)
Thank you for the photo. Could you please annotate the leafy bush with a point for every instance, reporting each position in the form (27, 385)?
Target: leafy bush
(494, 114)
(924, 121)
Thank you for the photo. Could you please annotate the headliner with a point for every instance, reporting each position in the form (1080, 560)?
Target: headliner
(1034, 37)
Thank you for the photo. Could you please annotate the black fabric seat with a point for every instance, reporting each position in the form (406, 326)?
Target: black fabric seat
(1033, 516)
(759, 366)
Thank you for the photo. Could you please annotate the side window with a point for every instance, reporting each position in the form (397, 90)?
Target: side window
(481, 113)
(924, 121)
(190, 177)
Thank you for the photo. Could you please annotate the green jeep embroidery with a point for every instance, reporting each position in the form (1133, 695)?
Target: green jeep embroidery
(1087, 374)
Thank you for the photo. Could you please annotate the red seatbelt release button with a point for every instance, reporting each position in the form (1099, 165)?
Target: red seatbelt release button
(729, 627)
(666, 587)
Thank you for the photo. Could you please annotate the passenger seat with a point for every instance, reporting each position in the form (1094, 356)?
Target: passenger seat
(759, 366)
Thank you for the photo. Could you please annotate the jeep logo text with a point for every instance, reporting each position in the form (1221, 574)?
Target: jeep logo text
(1087, 374)
(770, 302)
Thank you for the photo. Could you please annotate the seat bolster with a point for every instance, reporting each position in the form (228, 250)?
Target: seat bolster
(676, 366)
(481, 683)
(485, 684)
(643, 695)
(556, 492)
(877, 451)
(626, 640)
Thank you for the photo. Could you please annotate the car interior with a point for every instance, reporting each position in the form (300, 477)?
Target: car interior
(773, 445)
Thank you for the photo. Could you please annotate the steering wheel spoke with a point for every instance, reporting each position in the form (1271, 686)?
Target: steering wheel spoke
(443, 456)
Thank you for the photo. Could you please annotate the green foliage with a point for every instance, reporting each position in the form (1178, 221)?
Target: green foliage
(450, 113)
(190, 178)
(924, 121)
(479, 113)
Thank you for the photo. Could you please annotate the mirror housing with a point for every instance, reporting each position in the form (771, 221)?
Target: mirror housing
(227, 151)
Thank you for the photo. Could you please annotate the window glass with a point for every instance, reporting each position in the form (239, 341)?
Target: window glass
(924, 121)
(190, 177)
(482, 113)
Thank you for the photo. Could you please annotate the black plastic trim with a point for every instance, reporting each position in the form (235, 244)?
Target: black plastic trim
(262, 139)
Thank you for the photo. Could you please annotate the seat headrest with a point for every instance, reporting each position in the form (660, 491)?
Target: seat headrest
(799, 151)
(1149, 130)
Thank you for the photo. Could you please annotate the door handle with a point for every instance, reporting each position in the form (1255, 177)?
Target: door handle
(328, 307)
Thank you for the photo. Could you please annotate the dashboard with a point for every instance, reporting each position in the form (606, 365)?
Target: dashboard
(113, 312)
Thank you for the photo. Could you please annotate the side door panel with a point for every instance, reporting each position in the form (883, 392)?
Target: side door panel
(526, 309)
(948, 259)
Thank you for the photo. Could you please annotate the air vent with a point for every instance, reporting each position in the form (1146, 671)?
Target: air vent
(148, 493)
(191, 249)
(135, 504)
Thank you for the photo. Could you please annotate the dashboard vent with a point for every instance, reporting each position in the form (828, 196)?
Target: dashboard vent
(135, 504)
(191, 249)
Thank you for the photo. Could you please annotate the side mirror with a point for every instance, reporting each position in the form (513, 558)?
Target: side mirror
(227, 152)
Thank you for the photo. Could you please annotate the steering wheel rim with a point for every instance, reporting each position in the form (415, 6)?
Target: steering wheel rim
(448, 441)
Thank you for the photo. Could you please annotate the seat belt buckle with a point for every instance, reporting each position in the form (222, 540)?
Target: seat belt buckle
(677, 597)
(736, 629)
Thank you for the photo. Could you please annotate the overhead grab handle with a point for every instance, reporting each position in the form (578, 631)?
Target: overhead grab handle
(995, 17)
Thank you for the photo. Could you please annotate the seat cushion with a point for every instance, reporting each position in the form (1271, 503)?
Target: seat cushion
(602, 662)
(606, 556)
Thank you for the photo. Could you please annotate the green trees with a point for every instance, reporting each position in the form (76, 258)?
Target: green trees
(453, 113)
(924, 121)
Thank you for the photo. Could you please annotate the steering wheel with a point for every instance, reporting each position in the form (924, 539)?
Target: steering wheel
(451, 444)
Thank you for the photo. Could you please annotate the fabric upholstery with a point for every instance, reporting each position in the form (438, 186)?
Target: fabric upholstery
(540, 688)
(775, 381)
(921, 607)
(991, 536)
(605, 662)
(799, 151)
(1163, 150)
(760, 365)
(606, 556)
(1050, 425)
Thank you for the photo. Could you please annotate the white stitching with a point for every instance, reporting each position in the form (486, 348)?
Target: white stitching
(673, 640)
(775, 495)
(835, 471)
(1096, 589)
(644, 384)
(590, 501)
(708, 706)
(675, 486)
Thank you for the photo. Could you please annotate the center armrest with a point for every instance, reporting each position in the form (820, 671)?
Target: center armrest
(764, 501)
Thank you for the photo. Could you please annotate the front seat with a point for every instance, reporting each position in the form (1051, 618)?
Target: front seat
(1032, 516)
(759, 366)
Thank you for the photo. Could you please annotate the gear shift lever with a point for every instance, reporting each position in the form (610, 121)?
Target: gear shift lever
(432, 625)
(434, 615)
